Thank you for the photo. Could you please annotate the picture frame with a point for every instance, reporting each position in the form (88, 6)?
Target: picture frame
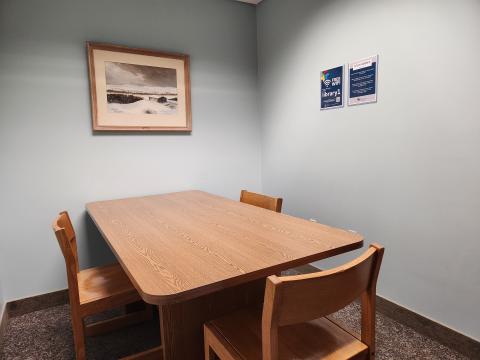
(363, 81)
(134, 89)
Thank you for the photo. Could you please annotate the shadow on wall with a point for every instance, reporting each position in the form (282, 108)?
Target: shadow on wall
(305, 17)
(97, 251)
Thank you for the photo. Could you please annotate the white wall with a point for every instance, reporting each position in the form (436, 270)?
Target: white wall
(2, 300)
(49, 158)
(404, 172)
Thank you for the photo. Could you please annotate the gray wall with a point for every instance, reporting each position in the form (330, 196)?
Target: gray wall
(51, 161)
(2, 300)
(404, 172)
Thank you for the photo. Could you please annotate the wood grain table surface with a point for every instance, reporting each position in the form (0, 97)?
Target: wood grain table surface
(178, 246)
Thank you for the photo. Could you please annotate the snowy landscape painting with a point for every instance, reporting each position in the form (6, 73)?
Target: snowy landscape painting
(140, 89)
(134, 89)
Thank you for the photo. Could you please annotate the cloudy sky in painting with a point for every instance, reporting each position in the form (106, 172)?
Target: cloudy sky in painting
(140, 75)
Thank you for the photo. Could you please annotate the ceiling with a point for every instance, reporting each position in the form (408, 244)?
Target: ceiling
(250, 1)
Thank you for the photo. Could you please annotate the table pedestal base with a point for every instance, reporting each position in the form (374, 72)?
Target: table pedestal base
(182, 323)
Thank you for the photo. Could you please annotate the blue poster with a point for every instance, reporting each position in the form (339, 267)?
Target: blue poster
(362, 75)
(331, 89)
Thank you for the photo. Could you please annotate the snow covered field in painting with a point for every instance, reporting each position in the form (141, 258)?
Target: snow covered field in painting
(141, 107)
(140, 89)
(142, 99)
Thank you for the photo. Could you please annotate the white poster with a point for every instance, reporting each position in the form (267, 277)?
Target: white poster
(362, 79)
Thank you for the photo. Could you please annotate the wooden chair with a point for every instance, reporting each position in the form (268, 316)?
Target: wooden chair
(286, 329)
(94, 290)
(263, 201)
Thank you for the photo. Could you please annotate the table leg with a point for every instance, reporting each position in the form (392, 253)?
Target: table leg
(182, 323)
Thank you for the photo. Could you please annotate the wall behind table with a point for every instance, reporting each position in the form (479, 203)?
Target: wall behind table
(404, 172)
(49, 158)
(2, 300)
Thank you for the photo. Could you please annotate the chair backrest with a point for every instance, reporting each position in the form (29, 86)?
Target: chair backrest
(63, 228)
(263, 201)
(296, 299)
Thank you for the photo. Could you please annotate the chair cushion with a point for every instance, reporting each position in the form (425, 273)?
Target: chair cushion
(317, 339)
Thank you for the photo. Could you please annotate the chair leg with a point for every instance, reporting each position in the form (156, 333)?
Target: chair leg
(78, 336)
(215, 347)
(209, 354)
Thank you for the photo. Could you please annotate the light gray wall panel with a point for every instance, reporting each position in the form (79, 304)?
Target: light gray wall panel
(51, 161)
(404, 172)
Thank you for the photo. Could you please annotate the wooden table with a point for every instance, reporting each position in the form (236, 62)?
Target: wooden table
(199, 256)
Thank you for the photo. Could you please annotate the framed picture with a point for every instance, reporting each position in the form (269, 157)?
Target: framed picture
(138, 89)
(363, 81)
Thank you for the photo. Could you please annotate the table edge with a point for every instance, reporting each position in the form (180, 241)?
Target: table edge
(167, 299)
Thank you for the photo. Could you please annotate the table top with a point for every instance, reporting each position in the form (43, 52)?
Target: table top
(175, 247)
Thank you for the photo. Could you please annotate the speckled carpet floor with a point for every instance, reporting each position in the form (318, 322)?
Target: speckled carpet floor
(47, 334)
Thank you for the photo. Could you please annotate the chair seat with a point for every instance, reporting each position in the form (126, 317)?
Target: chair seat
(240, 335)
(105, 287)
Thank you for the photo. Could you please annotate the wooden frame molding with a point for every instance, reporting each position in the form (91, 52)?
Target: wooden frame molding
(92, 47)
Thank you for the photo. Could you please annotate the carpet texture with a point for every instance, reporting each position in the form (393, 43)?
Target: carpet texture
(47, 334)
